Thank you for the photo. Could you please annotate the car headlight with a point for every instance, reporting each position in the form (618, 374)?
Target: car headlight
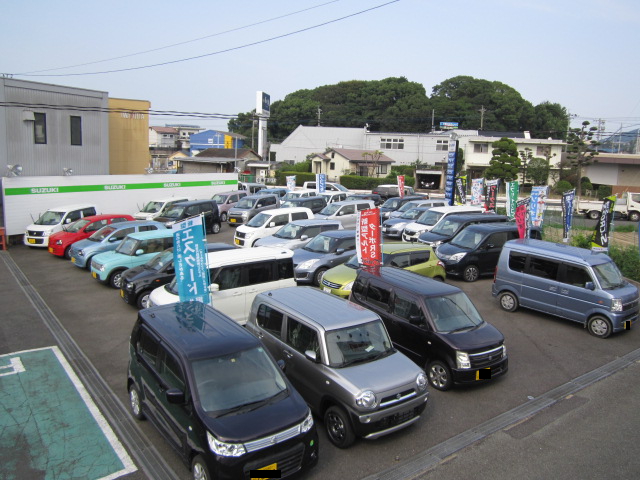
(248, 234)
(616, 305)
(46, 233)
(366, 399)
(128, 287)
(421, 382)
(504, 351)
(308, 264)
(225, 449)
(347, 287)
(169, 224)
(462, 360)
(58, 242)
(456, 257)
(306, 425)
(81, 253)
(244, 214)
(99, 267)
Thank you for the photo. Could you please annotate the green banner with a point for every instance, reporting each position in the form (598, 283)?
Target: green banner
(114, 186)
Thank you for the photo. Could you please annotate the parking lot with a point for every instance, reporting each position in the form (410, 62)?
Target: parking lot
(54, 298)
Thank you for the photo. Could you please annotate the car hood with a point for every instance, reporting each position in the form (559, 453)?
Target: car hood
(261, 422)
(272, 241)
(434, 237)
(85, 243)
(484, 337)
(301, 255)
(394, 221)
(106, 257)
(448, 249)
(68, 237)
(138, 273)
(340, 274)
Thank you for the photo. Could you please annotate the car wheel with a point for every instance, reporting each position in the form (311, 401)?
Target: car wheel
(135, 403)
(471, 273)
(223, 217)
(317, 277)
(439, 375)
(338, 427)
(215, 228)
(593, 214)
(88, 264)
(199, 470)
(508, 301)
(439, 279)
(634, 216)
(143, 300)
(599, 326)
(115, 279)
(67, 253)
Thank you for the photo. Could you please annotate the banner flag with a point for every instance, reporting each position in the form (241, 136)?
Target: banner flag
(491, 197)
(477, 186)
(401, 185)
(452, 160)
(368, 238)
(513, 189)
(567, 213)
(522, 217)
(537, 205)
(600, 237)
(461, 190)
(190, 260)
(291, 182)
(321, 182)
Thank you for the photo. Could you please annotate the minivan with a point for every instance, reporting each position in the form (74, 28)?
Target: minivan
(183, 210)
(266, 223)
(51, 221)
(237, 276)
(315, 204)
(216, 395)
(393, 204)
(251, 188)
(343, 364)
(474, 251)
(346, 212)
(155, 208)
(568, 282)
(226, 200)
(430, 218)
(249, 206)
(435, 324)
(136, 249)
(434, 202)
(449, 227)
(298, 233)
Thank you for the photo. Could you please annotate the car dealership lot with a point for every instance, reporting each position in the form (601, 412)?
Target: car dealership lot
(544, 353)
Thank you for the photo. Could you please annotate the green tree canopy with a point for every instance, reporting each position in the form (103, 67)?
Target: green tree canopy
(580, 148)
(504, 163)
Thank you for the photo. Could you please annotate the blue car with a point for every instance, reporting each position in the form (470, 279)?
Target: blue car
(325, 251)
(107, 239)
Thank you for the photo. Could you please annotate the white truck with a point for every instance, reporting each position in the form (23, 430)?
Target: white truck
(628, 206)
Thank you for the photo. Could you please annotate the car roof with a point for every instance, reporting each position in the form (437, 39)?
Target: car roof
(196, 330)
(168, 199)
(239, 255)
(134, 223)
(308, 302)
(193, 202)
(313, 222)
(230, 192)
(491, 217)
(106, 216)
(151, 234)
(339, 233)
(561, 250)
(403, 247)
(350, 202)
(257, 196)
(77, 206)
(411, 281)
(455, 208)
(492, 227)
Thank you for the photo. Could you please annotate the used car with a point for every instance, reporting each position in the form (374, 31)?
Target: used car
(183, 210)
(325, 251)
(226, 200)
(298, 233)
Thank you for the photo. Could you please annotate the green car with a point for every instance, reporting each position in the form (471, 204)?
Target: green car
(416, 258)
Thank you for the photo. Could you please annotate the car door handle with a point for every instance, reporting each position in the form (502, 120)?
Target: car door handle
(287, 354)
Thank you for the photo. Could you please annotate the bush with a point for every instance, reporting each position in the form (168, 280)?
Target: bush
(562, 186)
(627, 260)
(604, 191)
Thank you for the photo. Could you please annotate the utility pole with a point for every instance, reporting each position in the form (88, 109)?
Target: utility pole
(433, 115)
(319, 113)
(482, 112)
(601, 123)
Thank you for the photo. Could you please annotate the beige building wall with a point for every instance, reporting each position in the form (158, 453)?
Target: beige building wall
(128, 136)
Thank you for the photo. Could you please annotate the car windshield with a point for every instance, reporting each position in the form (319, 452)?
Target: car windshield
(453, 313)
(392, 203)
(101, 234)
(342, 188)
(290, 195)
(353, 262)
(467, 239)
(128, 246)
(608, 275)
(174, 212)
(50, 218)
(407, 206)
(76, 226)
(152, 207)
(172, 287)
(259, 220)
(412, 214)
(238, 382)
(245, 203)
(322, 244)
(287, 204)
(429, 217)
(447, 227)
(158, 262)
(358, 344)
(219, 199)
(330, 209)
(289, 231)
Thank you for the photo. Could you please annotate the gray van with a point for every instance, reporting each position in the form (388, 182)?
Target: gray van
(565, 281)
(249, 206)
(343, 364)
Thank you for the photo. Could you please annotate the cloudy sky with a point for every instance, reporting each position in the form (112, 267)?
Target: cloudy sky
(211, 56)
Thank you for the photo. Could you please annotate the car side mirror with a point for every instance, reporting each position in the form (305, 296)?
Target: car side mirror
(112, 239)
(68, 220)
(311, 355)
(175, 396)
(589, 286)
(281, 364)
(272, 224)
(139, 252)
(415, 320)
(304, 237)
(489, 246)
(339, 251)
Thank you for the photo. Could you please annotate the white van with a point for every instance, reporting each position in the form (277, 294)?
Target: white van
(237, 276)
(52, 221)
(267, 223)
(431, 217)
(156, 208)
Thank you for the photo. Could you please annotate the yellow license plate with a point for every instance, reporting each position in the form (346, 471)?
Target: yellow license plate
(73, 259)
(94, 274)
(50, 250)
(273, 466)
(236, 241)
(31, 240)
(232, 220)
(122, 293)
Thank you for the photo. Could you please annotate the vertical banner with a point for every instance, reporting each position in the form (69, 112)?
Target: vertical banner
(567, 213)
(321, 182)
(600, 237)
(368, 238)
(291, 182)
(477, 186)
(190, 260)
(401, 186)
(452, 159)
(522, 217)
(513, 189)
(461, 190)
(537, 205)
(491, 197)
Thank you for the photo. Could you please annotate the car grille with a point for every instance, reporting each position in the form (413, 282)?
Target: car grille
(329, 284)
(487, 358)
(397, 418)
(272, 439)
(393, 400)
(289, 462)
(630, 306)
(35, 233)
(240, 234)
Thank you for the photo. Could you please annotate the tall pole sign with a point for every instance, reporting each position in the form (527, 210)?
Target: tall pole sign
(263, 111)
(450, 179)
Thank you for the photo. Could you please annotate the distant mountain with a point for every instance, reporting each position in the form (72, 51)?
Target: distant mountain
(621, 142)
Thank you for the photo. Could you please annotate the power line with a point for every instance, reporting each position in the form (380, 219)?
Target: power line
(231, 49)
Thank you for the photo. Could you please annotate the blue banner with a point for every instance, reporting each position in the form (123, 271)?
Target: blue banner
(567, 213)
(449, 188)
(190, 260)
(321, 182)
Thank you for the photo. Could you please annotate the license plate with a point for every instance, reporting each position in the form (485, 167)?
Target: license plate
(122, 293)
(94, 274)
(73, 259)
(232, 220)
(326, 289)
(236, 241)
(273, 466)
(483, 374)
(31, 240)
(50, 250)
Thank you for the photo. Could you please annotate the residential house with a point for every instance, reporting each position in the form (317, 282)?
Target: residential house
(163, 137)
(220, 160)
(214, 139)
(343, 161)
(621, 171)
(183, 140)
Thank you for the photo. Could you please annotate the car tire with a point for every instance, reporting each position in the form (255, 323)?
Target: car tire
(67, 253)
(199, 470)
(593, 214)
(338, 427)
(142, 301)
(317, 277)
(471, 273)
(599, 326)
(215, 228)
(115, 279)
(223, 217)
(439, 375)
(87, 265)
(439, 278)
(508, 301)
(634, 216)
(135, 402)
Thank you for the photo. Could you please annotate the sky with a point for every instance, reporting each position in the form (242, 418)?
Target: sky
(212, 57)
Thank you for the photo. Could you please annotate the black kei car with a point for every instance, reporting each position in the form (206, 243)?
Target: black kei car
(217, 395)
(138, 282)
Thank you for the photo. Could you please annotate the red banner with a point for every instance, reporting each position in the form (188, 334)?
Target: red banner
(401, 185)
(368, 237)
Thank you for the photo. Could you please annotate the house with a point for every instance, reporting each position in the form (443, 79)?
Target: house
(183, 139)
(163, 137)
(621, 171)
(214, 139)
(219, 160)
(343, 161)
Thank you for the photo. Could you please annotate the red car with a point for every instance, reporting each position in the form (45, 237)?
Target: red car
(60, 242)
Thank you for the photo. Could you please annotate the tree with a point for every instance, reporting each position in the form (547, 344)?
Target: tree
(538, 171)
(504, 163)
(550, 120)
(580, 153)
(526, 156)
(374, 161)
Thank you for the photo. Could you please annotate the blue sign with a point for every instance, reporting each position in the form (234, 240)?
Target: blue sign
(190, 260)
(321, 182)
(449, 191)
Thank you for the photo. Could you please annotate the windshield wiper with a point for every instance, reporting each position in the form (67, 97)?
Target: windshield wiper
(468, 327)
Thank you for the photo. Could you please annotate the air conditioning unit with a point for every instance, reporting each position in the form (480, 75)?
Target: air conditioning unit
(27, 116)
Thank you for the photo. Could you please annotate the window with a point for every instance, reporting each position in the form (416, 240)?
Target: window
(392, 143)
(120, 234)
(88, 211)
(146, 228)
(517, 261)
(382, 169)
(228, 278)
(576, 276)
(40, 128)
(302, 337)
(442, 145)
(73, 216)
(170, 372)
(419, 257)
(270, 320)
(541, 267)
(378, 296)
(280, 220)
(332, 165)
(497, 239)
(481, 148)
(259, 272)
(285, 269)
(148, 347)
(76, 130)
(407, 309)
(400, 260)
(298, 216)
